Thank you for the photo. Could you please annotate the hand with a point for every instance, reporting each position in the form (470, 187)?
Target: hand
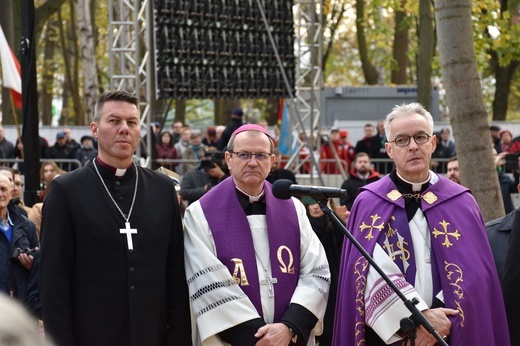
(500, 159)
(440, 322)
(275, 334)
(216, 172)
(25, 260)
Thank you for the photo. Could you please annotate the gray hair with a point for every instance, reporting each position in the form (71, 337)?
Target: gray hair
(252, 133)
(113, 95)
(406, 109)
(17, 327)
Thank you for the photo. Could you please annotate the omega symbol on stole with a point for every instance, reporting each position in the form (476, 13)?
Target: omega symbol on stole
(285, 268)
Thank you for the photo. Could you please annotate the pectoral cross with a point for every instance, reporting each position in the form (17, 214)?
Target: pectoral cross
(268, 281)
(128, 231)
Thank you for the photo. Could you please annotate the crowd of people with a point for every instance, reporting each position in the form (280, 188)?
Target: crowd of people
(128, 264)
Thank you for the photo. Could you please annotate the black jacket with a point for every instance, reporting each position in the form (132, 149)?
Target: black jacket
(14, 276)
(352, 185)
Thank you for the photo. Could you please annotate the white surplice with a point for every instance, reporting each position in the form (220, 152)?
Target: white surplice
(216, 308)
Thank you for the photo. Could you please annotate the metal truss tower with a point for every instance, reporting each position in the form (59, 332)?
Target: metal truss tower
(130, 36)
(309, 77)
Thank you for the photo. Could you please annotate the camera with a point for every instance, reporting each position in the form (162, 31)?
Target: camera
(512, 162)
(17, 252)
(210, 158)
(207, 164)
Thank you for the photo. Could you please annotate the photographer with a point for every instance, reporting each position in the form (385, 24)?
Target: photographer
(18, 242)
(199, 180)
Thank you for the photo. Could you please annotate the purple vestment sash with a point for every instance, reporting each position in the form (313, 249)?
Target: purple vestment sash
(234, 242)
(462, 262)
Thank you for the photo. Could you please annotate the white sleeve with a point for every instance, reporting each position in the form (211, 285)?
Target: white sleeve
(383, 307)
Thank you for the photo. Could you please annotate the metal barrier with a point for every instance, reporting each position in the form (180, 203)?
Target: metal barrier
(65, 164)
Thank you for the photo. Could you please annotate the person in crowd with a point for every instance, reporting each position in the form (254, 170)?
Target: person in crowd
(236, 121)
(506, 139)
(15, 201)
(210, 139)
(377, 148)
(111, 270)
(199, 180)
(348, 147)
(453, 172)
(360, 175)
(18, 190)
(6, 147)
(507, 184)
(332, 240)
(47, 170)
(499, 232)
(446, 141)
(511, 270)
(220, 129)
(86, 151)
(71, 142)
(19, 154)
(441, 151)
(277, 172)
(335, 157)
(194, 152)
(427, 234)
(181, 146)
(267, 268)
(17, 326)
(177, 128)
(363, 145)
(62, 150)
(18, 241)
(165, 150)
(494, 130)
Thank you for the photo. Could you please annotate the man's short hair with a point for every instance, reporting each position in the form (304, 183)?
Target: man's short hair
(405, 109)
(453, 158)
(361, 154)
(113, 95)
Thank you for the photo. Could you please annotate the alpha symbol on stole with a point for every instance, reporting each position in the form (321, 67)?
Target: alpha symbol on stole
(239, 272)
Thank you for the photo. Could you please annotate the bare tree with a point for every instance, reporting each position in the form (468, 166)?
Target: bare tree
(400, 49)
(466, 105)
(424, 60)
(88, 57)
(369, 70)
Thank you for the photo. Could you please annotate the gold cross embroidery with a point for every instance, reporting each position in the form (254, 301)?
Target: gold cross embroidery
(364, 226)
(447, 234)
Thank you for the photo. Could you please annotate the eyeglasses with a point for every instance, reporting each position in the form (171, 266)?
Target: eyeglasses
(261, 157)
(403, 140)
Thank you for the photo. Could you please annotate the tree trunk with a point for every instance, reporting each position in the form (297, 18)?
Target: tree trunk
(503, 77)
(223, 109)
(400, 49)
(424, 60)
(466, 105)
(180, 110)
(369, 71)
(46, 93)
(88, 59)
(44, 12)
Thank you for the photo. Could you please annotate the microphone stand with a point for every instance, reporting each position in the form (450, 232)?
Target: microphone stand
(408, 324)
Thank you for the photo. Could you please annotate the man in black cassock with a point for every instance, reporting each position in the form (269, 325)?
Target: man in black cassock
(112, 265)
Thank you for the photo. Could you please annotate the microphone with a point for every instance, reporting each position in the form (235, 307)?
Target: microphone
(284, 189)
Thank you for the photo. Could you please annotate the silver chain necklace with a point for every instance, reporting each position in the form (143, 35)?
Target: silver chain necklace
(127, 230)
(268, 280)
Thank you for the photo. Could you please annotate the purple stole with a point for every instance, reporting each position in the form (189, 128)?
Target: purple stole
(461, 256)
(233, 240)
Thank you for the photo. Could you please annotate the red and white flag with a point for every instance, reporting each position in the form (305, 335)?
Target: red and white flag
(11, 71)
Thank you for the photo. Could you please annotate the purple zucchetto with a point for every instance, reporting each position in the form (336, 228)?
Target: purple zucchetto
(251, 127)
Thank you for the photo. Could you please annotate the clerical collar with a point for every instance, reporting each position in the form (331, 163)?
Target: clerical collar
(252, 199)
(415, 187)
(118, 172)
